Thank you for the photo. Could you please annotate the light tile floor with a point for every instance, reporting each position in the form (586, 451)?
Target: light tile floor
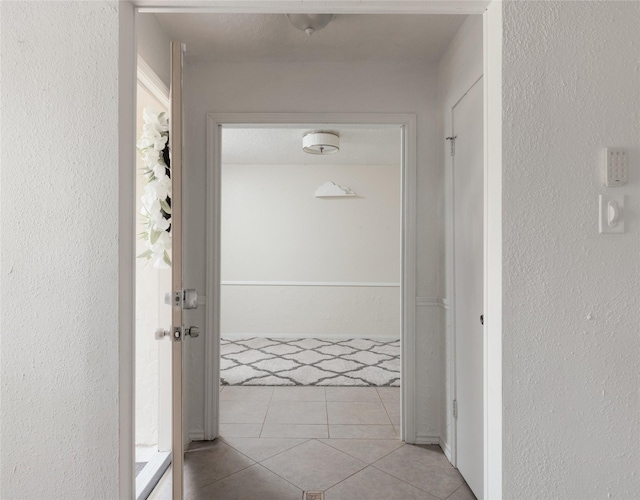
(276, 442)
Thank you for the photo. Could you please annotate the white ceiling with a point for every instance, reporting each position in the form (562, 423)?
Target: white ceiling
(347, 38)
(277, 146)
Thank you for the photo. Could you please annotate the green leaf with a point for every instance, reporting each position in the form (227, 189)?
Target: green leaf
(165, 206)
(145, 255)
(154, 236)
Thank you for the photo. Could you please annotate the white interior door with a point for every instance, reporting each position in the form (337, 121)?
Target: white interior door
(468, 271)
(180, 298)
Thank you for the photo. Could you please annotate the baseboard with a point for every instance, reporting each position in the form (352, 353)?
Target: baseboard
(445, 449)
(196, 435)
(329, 336)
(425, 439)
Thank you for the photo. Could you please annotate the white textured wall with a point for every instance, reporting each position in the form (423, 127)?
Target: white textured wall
(326, 87)
(310, 311)
(154, 46)
(571, 343)
(458, 69)
(59, 279)
(275, 230)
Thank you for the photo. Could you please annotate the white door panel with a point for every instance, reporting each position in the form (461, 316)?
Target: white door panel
(176, 332)
(468, 270)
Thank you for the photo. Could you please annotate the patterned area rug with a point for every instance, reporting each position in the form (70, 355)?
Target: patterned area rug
(273, 361)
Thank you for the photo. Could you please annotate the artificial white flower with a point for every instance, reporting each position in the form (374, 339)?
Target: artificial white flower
(161, 224)
(150, 202)
(160, 263)
(158, 120)
(157, 191)
(151, 156)
(160, 170)
(159, 188)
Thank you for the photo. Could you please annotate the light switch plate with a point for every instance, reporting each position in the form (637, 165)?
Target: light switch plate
(616, 167)
(607, 211)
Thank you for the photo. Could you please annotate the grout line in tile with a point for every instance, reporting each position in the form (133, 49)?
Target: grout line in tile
(406, 482)
(463, 483)
(356, 472)
(283, 478)
(387, 412)
(266, 412)
(326, 411)
(228, 475)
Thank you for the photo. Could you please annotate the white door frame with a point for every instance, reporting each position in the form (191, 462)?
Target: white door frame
(492, 60)
(407, 124)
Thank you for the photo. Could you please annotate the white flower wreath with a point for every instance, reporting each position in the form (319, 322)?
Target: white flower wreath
(153, 146)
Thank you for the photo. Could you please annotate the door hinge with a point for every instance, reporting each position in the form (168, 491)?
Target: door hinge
(455, 409)
(453, 144)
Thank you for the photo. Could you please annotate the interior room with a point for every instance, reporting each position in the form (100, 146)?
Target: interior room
(310, 258)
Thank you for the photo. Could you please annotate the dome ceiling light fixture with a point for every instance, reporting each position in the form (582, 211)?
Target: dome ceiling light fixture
(321, 142)
(309, 23)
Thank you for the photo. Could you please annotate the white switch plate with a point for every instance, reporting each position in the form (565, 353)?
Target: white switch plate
(616, 167)
(604, 214)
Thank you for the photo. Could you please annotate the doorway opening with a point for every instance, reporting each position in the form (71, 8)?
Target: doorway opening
(211, 424)
(310, 303)
(287, 218)
(152, 280)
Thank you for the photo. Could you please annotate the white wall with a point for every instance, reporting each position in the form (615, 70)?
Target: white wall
(154, 46)
(458, 69)
(59, 280)
(325, 87)
(275, 230)
(571, 309)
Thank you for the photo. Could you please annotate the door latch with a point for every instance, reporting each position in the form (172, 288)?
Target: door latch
(192, 331)
(185, 299)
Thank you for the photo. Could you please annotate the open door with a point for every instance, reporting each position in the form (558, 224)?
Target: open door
(468, 157)
(180, 298)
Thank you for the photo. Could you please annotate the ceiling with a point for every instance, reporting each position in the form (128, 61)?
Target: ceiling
(279, 146)
(347, 38)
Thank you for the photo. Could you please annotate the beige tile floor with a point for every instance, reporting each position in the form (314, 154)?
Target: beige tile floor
(276, 442)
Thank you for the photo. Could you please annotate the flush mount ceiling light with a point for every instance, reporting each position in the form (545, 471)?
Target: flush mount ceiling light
(321, 143)
(309, 23)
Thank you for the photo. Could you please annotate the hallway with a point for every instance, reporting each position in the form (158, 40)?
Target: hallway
(278, 442)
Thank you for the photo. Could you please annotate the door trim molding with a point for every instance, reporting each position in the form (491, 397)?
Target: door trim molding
(407, 125)
(492, 55)
(314, 7)
(127, 83)
(492, 61)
